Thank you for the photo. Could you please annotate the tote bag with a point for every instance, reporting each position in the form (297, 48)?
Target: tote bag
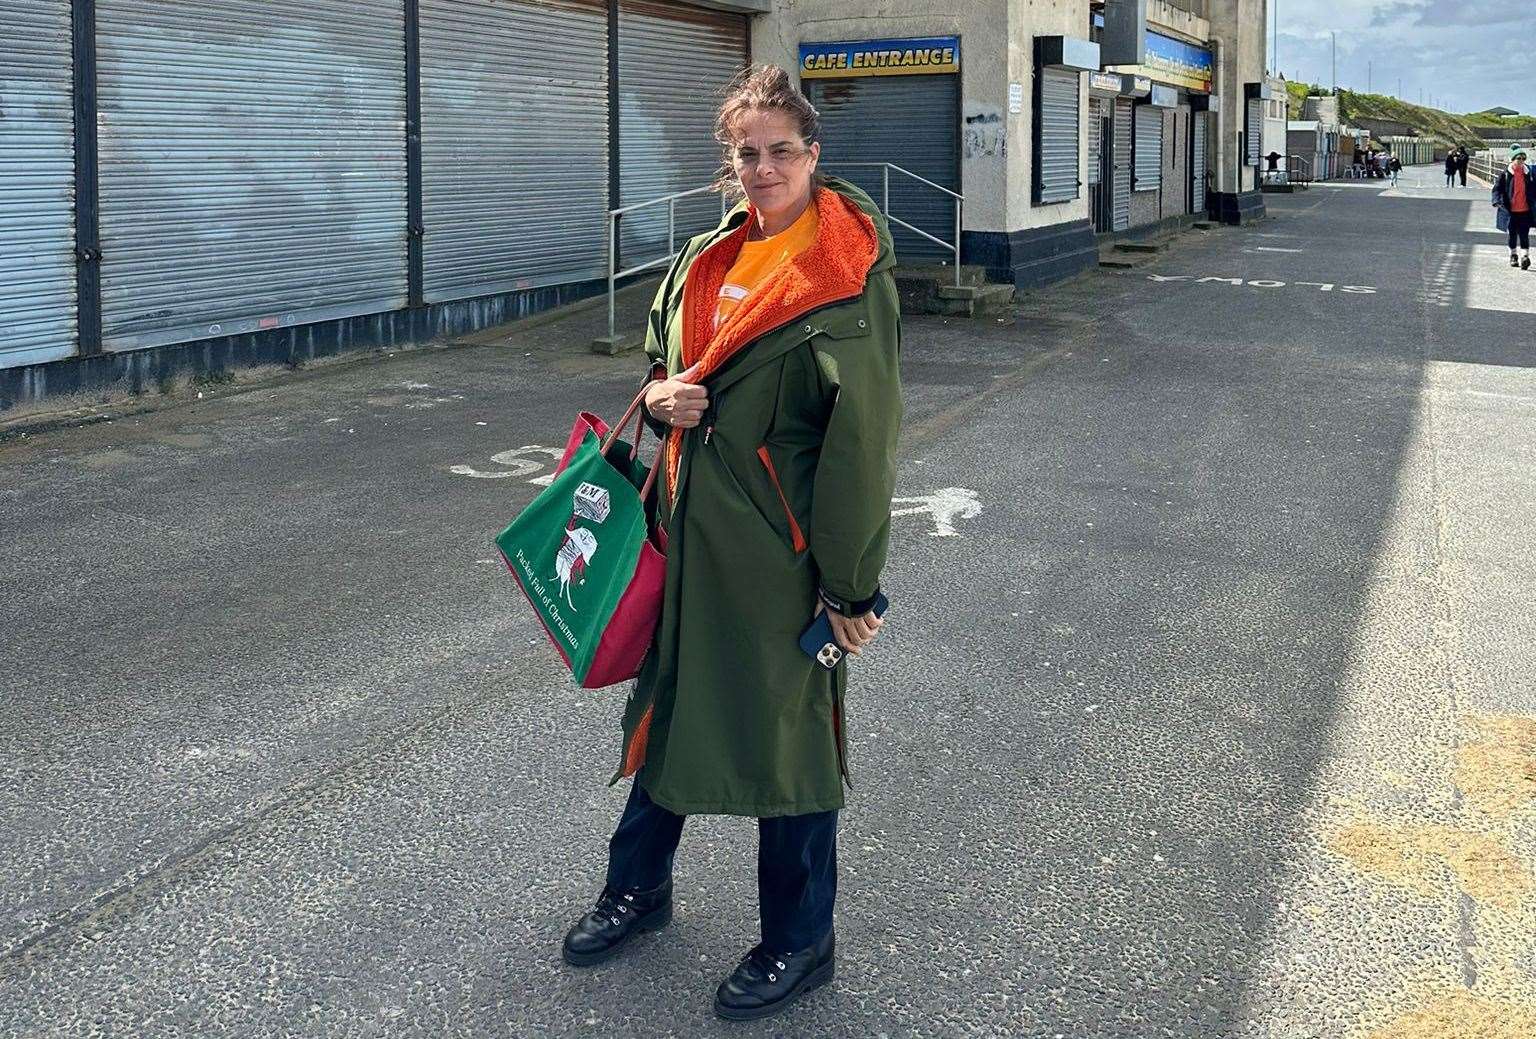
(586, 555)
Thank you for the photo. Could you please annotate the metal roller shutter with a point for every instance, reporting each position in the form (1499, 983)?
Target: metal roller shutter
(1095, 138)
(912, 121)
(1059, 139)
(1149, 148)
(1253, 129)
(37, 184)
(514, 146)
(1121, 156)
(252, 164)
(674, 65)
(1198, 164)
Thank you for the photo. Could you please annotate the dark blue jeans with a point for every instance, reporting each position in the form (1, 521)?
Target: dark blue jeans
(796, 866)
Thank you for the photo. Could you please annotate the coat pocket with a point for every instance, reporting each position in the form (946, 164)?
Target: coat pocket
(795, 534)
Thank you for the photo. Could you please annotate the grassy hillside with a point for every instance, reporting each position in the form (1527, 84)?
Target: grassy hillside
(1517, 124)
(1430, 122)
(1296, 95)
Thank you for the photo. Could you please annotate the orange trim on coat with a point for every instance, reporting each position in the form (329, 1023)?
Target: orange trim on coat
(833, 268)
(794, 527)
(634, 755)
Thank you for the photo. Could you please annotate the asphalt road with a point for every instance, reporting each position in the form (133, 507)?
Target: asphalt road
(1216, 720)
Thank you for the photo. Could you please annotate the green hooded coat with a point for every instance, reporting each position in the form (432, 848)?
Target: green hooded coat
(791, 486)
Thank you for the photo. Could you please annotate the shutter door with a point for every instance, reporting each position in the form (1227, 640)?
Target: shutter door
(252, 164)
(1254, 130)
(1095, 138)
(1121, 155)
(1059, 139)
(912, 121)
(1149, 148)
(514, 144)
(674, 65)
(37, 184)
(1198, 163)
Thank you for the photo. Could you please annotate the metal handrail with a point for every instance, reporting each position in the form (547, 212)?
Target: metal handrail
(885, 204)
(670, 201)
(614, 215)
(1485, 165)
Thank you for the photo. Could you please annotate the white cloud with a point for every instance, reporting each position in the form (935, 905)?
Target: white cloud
(1469, 54)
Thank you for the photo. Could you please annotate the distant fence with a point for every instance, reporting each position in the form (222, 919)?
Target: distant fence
(1412, 151)
(1485, 166)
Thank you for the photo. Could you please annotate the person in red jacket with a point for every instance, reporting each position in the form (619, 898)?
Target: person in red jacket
(1514, 193)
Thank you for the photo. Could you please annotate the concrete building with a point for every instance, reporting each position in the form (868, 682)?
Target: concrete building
(1159, 133)
(980, 125)
(1275, 122)
(393, 171)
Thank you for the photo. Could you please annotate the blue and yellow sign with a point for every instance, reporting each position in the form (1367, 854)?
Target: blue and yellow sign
(920, 57)
(1176, 62)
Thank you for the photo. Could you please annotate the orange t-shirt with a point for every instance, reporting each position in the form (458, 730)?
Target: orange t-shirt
(1518, 203)
(758, 259)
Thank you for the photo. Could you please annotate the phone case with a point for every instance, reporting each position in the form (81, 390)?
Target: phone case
(817, 641)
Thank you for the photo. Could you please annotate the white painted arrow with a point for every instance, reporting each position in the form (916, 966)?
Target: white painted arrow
(945, 506)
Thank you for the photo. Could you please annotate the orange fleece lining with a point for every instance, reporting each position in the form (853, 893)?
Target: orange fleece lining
(833, 268)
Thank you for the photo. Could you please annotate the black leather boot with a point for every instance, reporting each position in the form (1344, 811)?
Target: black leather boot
(768, 983)
(617, 917)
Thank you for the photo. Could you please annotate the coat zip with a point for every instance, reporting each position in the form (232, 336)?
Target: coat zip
(711, 413)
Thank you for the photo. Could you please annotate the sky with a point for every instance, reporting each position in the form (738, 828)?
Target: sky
(1470, 54)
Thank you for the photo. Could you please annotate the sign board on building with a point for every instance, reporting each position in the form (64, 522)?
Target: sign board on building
(1105, 83)
(914, 57)
(1176, 62)
(1172, 61)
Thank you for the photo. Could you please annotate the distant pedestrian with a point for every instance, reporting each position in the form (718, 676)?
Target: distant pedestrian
(1396, 166)
(1450, 168)
(1463, 160)
(1514, 193)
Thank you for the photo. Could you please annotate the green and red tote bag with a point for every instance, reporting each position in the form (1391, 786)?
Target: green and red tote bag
(585, 556)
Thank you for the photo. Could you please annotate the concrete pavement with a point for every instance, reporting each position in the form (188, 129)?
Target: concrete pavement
(1216, 720)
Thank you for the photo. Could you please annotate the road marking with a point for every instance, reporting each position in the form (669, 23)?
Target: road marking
(1264, 283)
(517, 462)
(945, 506)
(1272, 249)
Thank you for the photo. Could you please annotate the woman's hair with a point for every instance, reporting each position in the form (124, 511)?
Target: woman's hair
(765, 88)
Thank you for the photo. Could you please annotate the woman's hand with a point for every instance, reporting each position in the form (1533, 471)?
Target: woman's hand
(853, 633)
(677, 403)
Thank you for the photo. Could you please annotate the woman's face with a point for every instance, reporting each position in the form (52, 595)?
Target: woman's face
(772, 161)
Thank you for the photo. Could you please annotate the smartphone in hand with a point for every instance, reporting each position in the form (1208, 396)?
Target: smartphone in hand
(818, 642)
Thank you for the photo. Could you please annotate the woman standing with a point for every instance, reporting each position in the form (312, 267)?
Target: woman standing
(1450, 168)
(1514, 193)
(774, 344)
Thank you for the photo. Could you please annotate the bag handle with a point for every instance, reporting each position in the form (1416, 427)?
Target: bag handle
(634, 412)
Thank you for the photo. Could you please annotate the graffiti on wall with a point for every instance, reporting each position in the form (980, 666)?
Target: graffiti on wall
(986, 134)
